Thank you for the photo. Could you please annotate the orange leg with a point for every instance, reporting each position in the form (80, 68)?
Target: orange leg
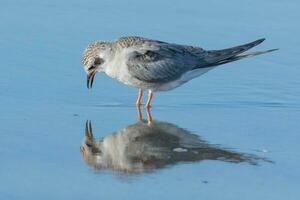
(149, 116)
(138, 101)
(150, 95)
(140, 116)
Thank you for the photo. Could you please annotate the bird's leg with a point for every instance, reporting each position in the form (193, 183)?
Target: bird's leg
(138, 101)
(149, 116)
(150, 95)
(140, 116)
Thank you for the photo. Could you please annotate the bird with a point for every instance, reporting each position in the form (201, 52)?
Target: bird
(140, 148)
(154, 65)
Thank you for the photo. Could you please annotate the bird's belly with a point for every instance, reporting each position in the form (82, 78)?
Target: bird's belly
(183, 79)
(121, 74)
(194, 73)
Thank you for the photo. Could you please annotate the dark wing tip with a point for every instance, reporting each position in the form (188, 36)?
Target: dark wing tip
(273, 50)
(256, 42)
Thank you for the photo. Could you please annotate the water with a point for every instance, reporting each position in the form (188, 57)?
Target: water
(248, 110)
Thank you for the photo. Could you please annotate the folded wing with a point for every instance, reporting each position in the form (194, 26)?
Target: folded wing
(161, 62)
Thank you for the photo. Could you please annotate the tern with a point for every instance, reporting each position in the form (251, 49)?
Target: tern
(156, 65)
(140, 148)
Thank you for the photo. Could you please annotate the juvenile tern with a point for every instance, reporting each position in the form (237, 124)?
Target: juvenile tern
(140, 148)
(155, 65)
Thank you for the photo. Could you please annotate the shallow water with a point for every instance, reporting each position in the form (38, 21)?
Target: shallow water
(248, 110)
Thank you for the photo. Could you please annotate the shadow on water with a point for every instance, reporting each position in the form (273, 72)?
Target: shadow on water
(148, 145)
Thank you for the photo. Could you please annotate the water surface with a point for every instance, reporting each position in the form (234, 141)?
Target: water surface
(243, 118)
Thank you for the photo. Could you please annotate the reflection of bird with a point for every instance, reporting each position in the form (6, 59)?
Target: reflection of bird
(156, 65)
(141, 147)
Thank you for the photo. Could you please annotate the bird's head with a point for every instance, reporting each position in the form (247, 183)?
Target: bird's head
(94, 59)
(90, 148)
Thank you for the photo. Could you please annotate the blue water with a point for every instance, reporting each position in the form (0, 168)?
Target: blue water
(250, 107)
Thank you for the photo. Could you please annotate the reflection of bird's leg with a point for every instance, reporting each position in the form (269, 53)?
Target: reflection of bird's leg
(150, 95)
(138, 101)
(149, 116)
(140, 116)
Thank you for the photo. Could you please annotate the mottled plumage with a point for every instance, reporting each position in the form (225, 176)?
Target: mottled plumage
(92, 50)
(140, 147)
(156, 65)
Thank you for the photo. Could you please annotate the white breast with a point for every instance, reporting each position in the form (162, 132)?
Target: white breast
(117, 68)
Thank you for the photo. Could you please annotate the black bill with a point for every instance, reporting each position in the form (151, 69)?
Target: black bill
(90, 79)
(88, 130)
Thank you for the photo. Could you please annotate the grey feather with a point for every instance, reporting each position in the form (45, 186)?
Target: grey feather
(241, 56)
(215, 56)
(160, 62)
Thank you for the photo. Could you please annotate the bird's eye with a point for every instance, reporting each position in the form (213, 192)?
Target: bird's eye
(98, 61)
(88, 144)
(92, 67)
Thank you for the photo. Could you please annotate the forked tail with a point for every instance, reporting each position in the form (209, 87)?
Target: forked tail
(220, 57)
